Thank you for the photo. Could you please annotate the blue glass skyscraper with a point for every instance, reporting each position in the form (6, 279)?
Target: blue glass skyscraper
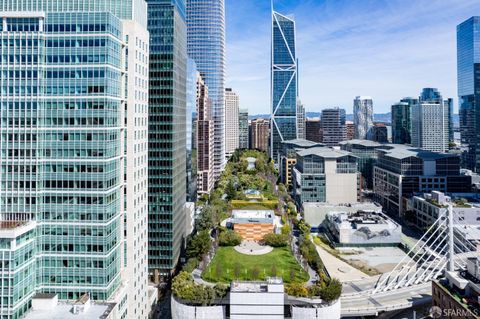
(206, 46)
(283, 83)
(468, 75)
(167, 135)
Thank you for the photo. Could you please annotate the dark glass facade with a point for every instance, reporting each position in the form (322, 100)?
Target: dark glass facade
(468, 74)
(167, 134)
(334, 128)
(400, 172)
(401, 123)
(284, 83)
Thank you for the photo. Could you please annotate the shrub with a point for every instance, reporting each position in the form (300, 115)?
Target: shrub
(184, 287)
(229, 238)
(296, 290)
(292, 208)
(220, 290)
(314, 290)
(331, 291)
(309, 252)
(276, 240)
(303, 227)
(268, 204)
(286, 229)
(190, 265)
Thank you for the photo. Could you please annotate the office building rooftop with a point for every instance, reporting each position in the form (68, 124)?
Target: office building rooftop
(404, 151)
(325, 152)
(366, 143)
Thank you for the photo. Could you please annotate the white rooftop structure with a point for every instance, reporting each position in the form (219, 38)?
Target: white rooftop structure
(252, 216)
(258, 286)
(363, 227)
(47, 306)
(251, 163)
(251, 299)
(315, 213)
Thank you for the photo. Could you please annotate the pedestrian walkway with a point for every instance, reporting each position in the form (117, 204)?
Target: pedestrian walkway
(338, 268)
(248, 247)
(197, 278)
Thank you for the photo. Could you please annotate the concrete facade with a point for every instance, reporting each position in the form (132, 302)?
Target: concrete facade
(323, 174)
(288, 157)
(204, 139)
(232, 124)
(184, 311)
(428, 207)
(317, 311)
(253, 299)
(259, 132)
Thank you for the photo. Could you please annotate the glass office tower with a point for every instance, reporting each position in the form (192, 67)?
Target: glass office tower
(401, 123)
(61, 105)
(468, 77)
(243, 128)
(206, 46)
(167, 134)
(284, 85)
(65, 87)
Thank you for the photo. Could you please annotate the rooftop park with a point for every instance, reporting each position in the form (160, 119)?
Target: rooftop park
(249, 182)
(229, 265)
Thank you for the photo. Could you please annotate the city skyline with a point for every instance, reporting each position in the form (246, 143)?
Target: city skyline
(134, 183)
(368, 38)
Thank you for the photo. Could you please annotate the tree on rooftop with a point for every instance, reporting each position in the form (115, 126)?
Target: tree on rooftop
(198, 245)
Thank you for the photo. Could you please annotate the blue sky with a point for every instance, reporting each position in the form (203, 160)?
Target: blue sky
(387, 49)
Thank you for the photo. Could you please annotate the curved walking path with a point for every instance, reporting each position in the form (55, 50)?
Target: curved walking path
(197, 278)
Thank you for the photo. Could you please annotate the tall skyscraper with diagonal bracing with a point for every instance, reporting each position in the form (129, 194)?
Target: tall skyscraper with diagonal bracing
(284, 83)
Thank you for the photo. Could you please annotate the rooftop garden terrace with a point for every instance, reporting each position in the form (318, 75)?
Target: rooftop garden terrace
(229, 265)
(212, 247)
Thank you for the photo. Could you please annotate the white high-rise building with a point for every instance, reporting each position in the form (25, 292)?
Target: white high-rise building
(135, 205)
(300, 120)
(362, 116)
(232, 125)
(430, 126)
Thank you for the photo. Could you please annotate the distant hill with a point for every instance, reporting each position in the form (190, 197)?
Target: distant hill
(378, 117)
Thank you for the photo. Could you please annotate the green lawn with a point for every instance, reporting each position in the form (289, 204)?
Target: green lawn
(228, 265)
